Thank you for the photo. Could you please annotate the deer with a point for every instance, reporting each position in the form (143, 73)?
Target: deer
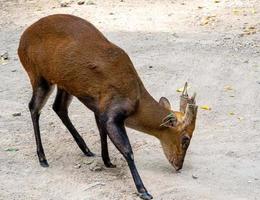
(69, 52)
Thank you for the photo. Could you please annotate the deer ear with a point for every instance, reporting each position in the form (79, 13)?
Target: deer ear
(165, 103)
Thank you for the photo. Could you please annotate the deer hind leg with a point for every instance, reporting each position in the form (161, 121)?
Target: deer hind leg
(41, 91)
(113, 122)
(104, 147)
(60, 106)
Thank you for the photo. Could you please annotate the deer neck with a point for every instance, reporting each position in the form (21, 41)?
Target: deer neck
(148, 116)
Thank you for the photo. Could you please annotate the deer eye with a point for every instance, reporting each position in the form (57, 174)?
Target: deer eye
(185, 142)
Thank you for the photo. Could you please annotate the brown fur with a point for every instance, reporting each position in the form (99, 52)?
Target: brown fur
(70, 52)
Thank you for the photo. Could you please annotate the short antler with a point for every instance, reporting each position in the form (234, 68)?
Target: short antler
(184, 98)
(188, 106)
(190, 114)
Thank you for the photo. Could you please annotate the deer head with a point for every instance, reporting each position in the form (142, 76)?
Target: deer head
(178, 128)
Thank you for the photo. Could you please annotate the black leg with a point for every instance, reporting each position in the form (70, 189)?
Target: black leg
(117, 133)
(104, 147)
(40, 95)
(60, 106)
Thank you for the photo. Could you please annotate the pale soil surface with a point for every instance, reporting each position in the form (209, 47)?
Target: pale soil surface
(169, 42)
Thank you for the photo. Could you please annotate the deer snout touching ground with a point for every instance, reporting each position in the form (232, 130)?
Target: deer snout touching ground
(69, 52)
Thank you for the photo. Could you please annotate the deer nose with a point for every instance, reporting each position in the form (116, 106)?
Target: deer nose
(177, 167)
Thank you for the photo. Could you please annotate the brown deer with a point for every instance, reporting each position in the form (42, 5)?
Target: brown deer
(71, 53)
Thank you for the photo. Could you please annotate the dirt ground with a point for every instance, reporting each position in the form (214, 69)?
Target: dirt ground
(214, 45)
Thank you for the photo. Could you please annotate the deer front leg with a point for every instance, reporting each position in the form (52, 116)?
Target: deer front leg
(114, 125)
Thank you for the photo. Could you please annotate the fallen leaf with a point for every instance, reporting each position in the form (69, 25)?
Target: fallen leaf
(236, 11)
(182, 88)
(250, 30)
(240, 118)
(205, 107)
(3, 62)
(89, 186)
(12, 149)
(228, 87)
(216, 1)
(208, 20)
(231, 113)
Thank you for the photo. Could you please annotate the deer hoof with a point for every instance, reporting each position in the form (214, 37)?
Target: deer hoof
(89, 154)
(110, 165)
(44, 163)
(145, 196)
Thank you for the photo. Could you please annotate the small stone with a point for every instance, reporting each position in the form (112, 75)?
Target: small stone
(150, 66)
(175, 35)
(14, 70)
(51, 123)
(65, 3)
(17, 114)
(4, 56)
(81, 2)
(194, 176)
(77, 166)
(111, 13)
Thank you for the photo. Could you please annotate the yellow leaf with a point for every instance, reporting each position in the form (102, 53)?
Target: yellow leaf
(216, 1)
(250, 30)
(205, 107)
(181, 89)
(208, 20)
(236, 11)
(253, 11)
(231, 113)
(228, 87)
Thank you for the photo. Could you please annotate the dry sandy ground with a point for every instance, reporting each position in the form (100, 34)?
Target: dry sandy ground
(170, 42)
